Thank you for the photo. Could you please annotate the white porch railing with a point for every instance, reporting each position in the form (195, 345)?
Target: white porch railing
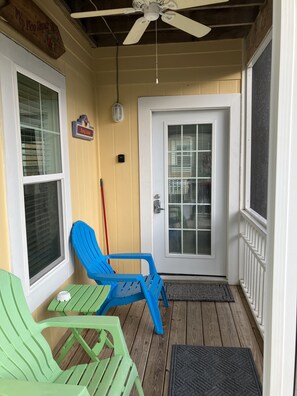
(253, 265)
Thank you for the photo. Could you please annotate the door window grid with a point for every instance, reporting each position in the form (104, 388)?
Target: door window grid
(189, 189)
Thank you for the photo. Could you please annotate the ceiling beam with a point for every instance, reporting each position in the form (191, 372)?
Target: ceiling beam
(175, 36)
(123, 23)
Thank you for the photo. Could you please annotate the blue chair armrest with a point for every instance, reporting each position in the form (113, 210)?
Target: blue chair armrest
(116, 277)
(136, 256)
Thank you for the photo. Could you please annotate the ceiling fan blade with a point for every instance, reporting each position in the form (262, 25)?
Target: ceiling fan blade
(182, 4)
(137, 31)
(186, 24)
(98, 13)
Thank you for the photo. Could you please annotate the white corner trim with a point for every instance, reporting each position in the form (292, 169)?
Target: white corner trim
(281, 284)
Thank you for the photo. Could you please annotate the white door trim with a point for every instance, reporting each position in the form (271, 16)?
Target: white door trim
(146, 106)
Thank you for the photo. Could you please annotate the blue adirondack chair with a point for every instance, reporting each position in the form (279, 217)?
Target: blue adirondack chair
(125, 288)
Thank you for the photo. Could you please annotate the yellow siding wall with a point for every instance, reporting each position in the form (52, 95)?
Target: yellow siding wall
(184, 69)
(76, 65)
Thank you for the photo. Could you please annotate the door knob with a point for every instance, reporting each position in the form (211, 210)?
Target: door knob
(157, 206)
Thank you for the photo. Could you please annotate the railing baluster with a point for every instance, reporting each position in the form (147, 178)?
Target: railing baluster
(253, 236)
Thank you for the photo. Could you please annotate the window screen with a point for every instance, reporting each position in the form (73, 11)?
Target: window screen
(261, 78)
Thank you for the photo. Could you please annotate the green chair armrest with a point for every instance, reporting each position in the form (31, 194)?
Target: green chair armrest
(107, 323)
(12, 387)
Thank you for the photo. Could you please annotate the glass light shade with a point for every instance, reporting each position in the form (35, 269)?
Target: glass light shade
(117, 112)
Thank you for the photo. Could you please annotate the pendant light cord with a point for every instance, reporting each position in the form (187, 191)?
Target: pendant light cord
(157, 65)
(117, 73)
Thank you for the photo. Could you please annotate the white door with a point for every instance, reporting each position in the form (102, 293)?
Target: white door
(190, 170)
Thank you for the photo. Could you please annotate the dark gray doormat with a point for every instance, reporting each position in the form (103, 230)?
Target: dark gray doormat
(195, 291)
(213, 371)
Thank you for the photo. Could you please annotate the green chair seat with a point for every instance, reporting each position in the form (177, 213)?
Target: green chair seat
(108, 376)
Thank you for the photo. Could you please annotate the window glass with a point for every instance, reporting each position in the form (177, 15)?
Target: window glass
(40, 132)
(41, 155)
(43, 227)
(261, 78)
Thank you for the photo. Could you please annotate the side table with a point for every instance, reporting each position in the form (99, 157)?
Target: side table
(85, 299)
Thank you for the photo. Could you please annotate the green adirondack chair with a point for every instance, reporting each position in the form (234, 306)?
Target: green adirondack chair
(27, 365)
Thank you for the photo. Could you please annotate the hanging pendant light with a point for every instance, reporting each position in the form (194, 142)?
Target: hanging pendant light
(117, 110)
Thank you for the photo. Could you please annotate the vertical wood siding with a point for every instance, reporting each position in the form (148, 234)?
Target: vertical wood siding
(184, 69)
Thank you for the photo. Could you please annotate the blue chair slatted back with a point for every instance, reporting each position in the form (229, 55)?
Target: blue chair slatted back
(88, 251)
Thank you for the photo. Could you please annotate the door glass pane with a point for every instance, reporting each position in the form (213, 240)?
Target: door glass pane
(175, 241)
(205, 137)
(189, 216)
(204, 164)
(174, 191)
(43, 227)
(204, 242)
(188, 164)
(174, 216)
(174, 164)
(189, 191)
(189, 242)
(189, 185)
(204, 217)
(189, 137)
(40, 128)
(174, 138)
(204, 191)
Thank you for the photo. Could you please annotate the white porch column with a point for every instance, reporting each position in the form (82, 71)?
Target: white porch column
(281, 285)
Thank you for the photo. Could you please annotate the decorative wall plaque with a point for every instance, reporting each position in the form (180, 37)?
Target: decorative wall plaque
(29, 20)
(82, 129)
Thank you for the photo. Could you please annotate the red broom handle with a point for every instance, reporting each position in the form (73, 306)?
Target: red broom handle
(104, 216)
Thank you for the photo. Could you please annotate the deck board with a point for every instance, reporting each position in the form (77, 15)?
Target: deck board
(154, 377)
(194, 324)
(211, 329)
(227, 326)
(185, 322)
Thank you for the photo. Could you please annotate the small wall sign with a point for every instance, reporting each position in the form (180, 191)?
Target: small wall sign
(81, 128)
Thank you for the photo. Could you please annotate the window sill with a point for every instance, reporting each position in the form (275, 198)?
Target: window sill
(48, 284)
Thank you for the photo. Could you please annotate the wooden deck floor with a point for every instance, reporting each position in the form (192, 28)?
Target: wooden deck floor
(193, 323)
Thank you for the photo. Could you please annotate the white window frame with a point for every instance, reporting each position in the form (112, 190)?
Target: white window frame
(248, 141)
(13, 59)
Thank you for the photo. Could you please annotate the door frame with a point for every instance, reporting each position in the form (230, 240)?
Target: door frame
(146, 107)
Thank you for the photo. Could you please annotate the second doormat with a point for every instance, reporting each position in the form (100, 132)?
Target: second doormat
(195, 291)
(213, 371)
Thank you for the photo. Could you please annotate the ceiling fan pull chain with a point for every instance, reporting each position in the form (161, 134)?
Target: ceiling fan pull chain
(157, 66)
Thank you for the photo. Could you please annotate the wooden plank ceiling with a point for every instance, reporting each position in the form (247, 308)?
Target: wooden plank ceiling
(232, 19)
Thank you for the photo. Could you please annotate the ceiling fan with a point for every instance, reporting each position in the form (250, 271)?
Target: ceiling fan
(152, 9)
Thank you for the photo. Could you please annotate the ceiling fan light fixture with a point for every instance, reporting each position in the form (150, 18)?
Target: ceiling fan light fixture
(151, 12)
